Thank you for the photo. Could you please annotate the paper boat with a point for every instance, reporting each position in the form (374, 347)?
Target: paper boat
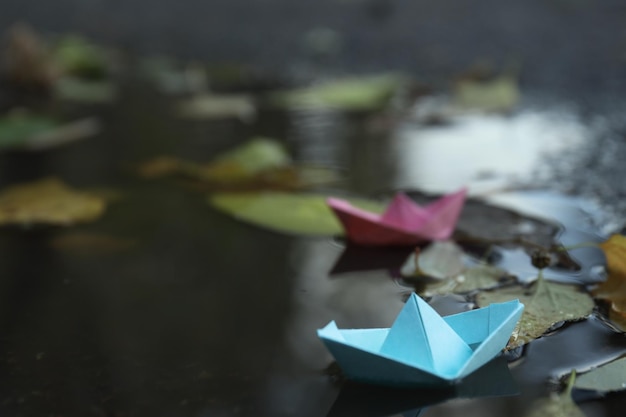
(403, 223)
(422, 348)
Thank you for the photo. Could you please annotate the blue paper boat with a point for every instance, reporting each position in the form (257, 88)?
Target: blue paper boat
(422, 348)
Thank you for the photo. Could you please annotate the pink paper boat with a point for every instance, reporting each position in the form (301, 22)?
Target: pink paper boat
(403, 223)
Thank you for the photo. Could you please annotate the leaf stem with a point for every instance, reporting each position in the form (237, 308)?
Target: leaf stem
(570, 383)
(577, 246)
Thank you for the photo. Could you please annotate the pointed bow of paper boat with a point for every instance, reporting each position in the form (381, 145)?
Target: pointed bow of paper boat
(422, 348)
(403, 223)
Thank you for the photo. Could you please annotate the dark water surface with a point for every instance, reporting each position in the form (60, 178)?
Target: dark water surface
(207, 316)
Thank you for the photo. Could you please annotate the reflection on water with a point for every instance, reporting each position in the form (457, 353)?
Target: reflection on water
(492, 380)
(486, 152)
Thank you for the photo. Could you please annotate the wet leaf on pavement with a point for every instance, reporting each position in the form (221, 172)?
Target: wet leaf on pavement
(545, 304)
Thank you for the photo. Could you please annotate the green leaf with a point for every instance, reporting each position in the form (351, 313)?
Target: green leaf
(608, 377)
(365, 93)
(499, 94)
(77, 89)
(545, 304)
(256, 155)
(79, 57)
(19, 129)
(558, 405)
(300, 214)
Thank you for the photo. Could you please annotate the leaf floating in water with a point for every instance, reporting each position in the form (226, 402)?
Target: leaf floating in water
(480, 277)
(441, 260)
(26, 60)
(445, 261)
(365, 93)
(91, 243)
(545, 304)
(30, 132)
(87, 91)
(558, 405)
(79, 57)
(258, 164)
(171, 77)
(17, 129)
(218, 106)
(499, 94)
(48, 201)
(614, 288)
(300, 214)
(606, 378)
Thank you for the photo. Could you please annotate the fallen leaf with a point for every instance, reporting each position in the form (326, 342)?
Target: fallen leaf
(258, 164)
(545, 304)
(218, 106)
(87, 91)
(26, 59)
(172, 77)
(614, 288)
(605, 378)
(77, 56)
(91, 243)
(558, 405)
(300, 214)
(363, 93)
(441, 260)
(24, 131)
(479, 277)
(493, 95)
(47, 201)
(18, 128)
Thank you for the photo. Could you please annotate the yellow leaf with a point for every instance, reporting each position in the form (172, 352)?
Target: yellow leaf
(48, 201)
(614, 288)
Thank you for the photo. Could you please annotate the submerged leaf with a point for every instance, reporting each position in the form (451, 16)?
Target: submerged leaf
(364, 93)
(545, 304)
(606, 378)
(302, 214)
(558, 405)
(91, 243)
(48, 201)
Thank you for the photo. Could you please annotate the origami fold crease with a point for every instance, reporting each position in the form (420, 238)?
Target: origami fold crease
(423, 348)
(403, 223)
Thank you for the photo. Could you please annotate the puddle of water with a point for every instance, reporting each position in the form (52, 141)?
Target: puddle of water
(484, 152)
(213, 317)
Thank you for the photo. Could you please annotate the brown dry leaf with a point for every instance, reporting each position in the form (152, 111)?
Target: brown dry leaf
(88, 243)
(48, 201)
(27, 60)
